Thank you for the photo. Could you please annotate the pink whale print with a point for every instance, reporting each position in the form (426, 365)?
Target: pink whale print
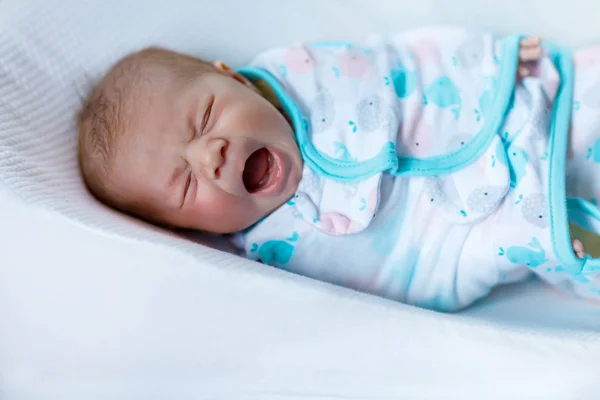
(353, 65)
(587, 58)
(335, 223)
(425, 50)
(298, 60)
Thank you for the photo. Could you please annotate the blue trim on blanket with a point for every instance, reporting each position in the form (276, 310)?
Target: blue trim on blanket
(558, 144)
(472, 150)
(387, 159)
(339, 170)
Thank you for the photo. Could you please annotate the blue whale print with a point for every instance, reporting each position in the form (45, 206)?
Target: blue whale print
(517, 161)
(404, 81)
(277, 252)
(443, 93)
(596, 151)
(518, 165)
(486, 100)
(533, 256)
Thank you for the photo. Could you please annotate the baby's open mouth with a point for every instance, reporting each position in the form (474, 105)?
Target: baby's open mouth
(258, 171)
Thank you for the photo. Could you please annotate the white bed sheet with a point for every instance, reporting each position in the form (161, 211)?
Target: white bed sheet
(89, 316)
(97, 306)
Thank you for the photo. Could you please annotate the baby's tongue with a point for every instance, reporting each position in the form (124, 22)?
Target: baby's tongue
(256, 169)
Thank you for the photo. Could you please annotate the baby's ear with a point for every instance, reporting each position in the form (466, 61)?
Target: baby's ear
(226, 70)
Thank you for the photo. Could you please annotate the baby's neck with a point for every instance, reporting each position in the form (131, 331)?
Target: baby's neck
(268, 93)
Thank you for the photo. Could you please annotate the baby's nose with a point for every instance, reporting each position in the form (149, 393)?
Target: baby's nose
(214, 157)
(209, 156)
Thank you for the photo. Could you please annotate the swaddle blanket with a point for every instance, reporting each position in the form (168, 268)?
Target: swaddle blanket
(431, 174)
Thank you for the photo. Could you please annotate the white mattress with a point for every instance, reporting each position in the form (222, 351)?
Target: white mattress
(96, 306)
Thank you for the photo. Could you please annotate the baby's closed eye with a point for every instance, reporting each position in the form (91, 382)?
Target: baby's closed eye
(187, 187)
(206, 116)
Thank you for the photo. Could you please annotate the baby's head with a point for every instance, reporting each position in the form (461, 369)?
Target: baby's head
(185, 143)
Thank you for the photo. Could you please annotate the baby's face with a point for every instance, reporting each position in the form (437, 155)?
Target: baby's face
(209, 154)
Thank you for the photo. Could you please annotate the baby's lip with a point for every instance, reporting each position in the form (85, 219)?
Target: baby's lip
(264, 171)
(258, 170)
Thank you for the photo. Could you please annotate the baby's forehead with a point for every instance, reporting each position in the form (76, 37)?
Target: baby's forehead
(142, 77)
(155, 111)
(152, 87)
(148, 91)
(142, 161)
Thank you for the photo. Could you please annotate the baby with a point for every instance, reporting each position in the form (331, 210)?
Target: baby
(428, 167)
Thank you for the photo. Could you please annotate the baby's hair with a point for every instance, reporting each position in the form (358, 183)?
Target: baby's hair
(107, 114)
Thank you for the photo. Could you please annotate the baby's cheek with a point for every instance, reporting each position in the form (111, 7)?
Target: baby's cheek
(217, 210)
(207, 209)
